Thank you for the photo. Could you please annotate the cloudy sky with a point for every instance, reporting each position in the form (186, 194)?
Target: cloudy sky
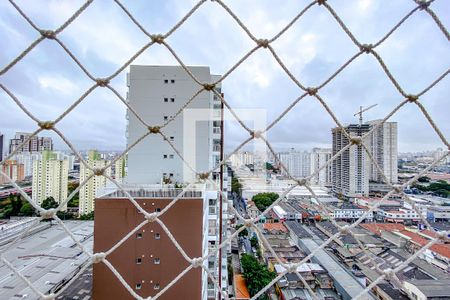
(47, 81)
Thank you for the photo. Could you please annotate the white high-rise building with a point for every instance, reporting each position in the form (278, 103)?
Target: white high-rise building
(242, 158)
(319, 157)
(157, 94)
(383, 147)
(89, 190)
(351, 169)
(50, 178)
(120, 169)
(27, 159)
(297, 163)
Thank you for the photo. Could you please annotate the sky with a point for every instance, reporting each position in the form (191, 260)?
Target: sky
(47, 81)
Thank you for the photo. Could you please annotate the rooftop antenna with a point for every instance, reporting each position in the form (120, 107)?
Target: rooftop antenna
(360, 112)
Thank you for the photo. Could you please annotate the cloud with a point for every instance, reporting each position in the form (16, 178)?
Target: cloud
(103, 38)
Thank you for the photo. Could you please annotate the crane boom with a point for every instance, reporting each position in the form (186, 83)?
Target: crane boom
(361, 110)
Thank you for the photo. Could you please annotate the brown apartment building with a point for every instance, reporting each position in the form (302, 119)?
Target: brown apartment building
(148, 260)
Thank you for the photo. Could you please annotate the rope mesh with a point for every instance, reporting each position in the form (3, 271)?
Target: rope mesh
(158, 129)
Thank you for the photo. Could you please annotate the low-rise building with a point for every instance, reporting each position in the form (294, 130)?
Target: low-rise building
(428, 289)
(348, 211)
(399, 216)
(438, 213)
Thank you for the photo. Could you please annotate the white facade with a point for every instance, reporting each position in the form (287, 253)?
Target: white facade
(319, 157)
(157, 93)
(297, 163)
(383, 147)
(120, 169)
(27, 159)
(242, 158)
(399, 216)
(351, 213)
(50, 178)
(351, 168)
(89, 190)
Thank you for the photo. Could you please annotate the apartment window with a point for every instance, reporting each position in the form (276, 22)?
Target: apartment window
(166, 81)
(166, 99)
(139, 235)
(157, 236)
(172, 138)
(171, 156)
(156, 261)
(138, 286)
(164, 174)
(165, 156)
(156, 286)
(172, 81)
(138, 261)
(158, 209)
(171, 175)
(166, 118)
(172, 100)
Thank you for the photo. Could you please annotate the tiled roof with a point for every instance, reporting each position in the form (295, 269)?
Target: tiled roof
(275, 227)
(378, 227)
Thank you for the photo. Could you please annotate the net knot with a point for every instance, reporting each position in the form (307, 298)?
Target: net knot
(209, 86)
(151, 217)
(442, 235)
(102, 82)
(291, 268)
(98, 171)
(263, 43)
(344, 229)
(196, 262)
(48, 214)
(157, 38)
(311, 91)
(98, 257)
(367, 48)
(301, 181)
(248, 223)
(412, 98)
(398, 188)
(356, 140)
(321, 2)
(389, 273)
(203, 176)
(48, 34)
(256, 134)
(46, 125)
(153, 129)
(423, 4)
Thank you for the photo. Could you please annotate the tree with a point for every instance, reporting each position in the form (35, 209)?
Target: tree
(243, 232)
(264, 200)
(27, 209)
(87, 217)
(49, 203)
(256, 275)
(236, 186)
(254, 242)
(424, 179)
(74, 201)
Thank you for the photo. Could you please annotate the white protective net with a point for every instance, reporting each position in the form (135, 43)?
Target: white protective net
(260, 45)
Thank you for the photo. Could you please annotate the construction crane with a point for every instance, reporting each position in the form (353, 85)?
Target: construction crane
(361, 110)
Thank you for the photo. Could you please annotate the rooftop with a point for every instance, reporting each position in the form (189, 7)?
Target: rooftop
(241, 287)
(432, 288)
